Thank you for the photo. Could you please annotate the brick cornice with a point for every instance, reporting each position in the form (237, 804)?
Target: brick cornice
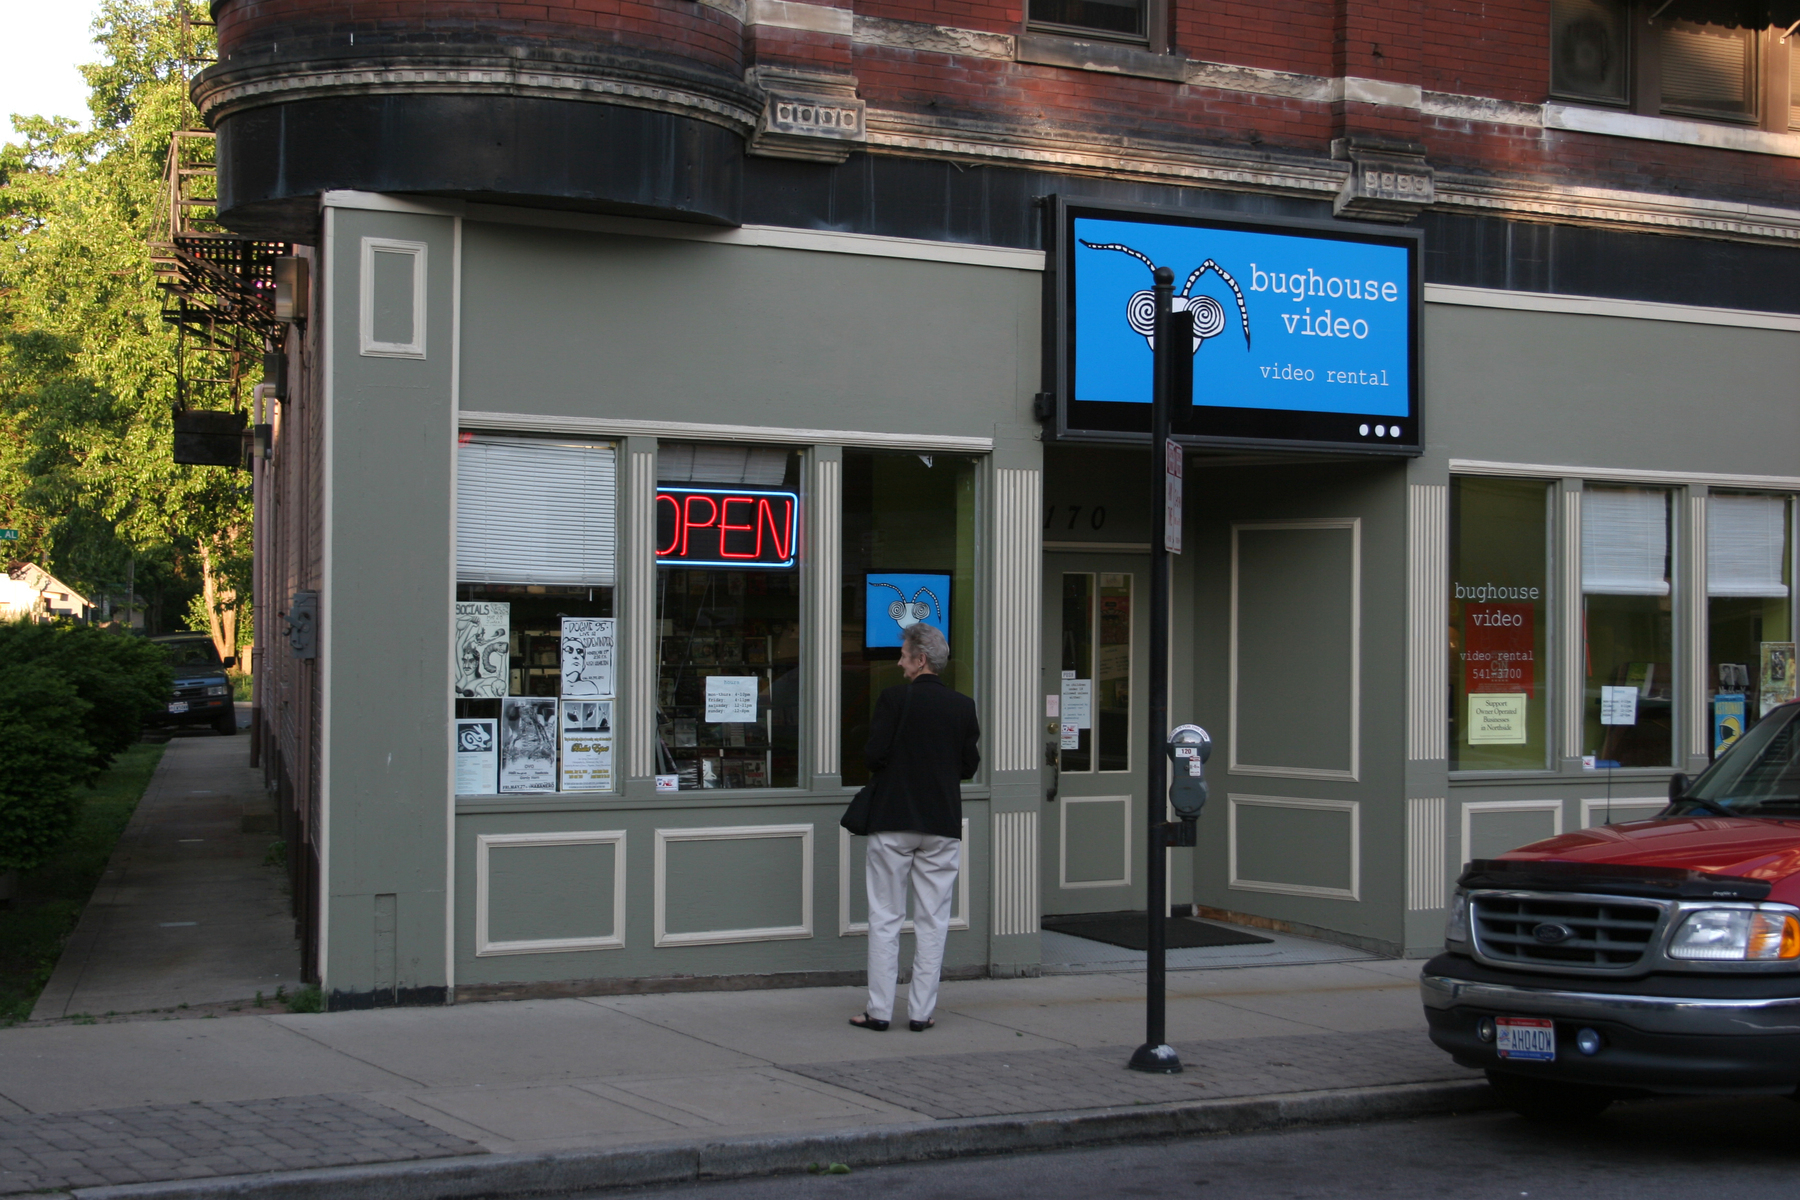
(633, 80)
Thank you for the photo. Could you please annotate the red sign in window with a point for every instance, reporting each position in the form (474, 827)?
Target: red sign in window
(726, 527)
(1499, 648)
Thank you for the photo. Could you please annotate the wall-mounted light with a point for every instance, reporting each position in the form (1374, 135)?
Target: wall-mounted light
(291, 290)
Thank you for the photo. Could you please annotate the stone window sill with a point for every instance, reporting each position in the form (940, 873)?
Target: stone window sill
(1112, 57)
(1667, 129)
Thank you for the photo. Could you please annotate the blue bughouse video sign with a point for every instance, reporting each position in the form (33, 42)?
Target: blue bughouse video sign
(1305, 332)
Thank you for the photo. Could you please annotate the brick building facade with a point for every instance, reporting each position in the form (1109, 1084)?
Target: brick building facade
(657, 228)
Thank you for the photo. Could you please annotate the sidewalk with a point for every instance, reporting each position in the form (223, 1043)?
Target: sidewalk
(186, 912)
(577, 1082)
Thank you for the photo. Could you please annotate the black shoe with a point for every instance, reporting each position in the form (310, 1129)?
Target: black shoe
(921, 1026)
(865, 1021)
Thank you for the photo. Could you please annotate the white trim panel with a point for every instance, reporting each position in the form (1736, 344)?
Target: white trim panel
(1470, 808)
(1015, 873)
(769, 435)
(1428, 585)
(1237, 883)
(959, 914)
(1018, 603)
(365, 321)
(1699, 727)
(1425, 884)
(1473, 466)
(1597, 306)
(776, 236)
(1237, 767)
(1062, 843)
(485, 842)
(725, 833)
(638, 574)
(824, 547)
(1574, 678)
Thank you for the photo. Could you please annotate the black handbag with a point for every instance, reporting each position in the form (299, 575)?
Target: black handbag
(857, 816)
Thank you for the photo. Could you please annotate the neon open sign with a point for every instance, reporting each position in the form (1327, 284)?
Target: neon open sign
(726, 527)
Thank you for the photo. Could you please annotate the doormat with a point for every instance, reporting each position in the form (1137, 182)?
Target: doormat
(1129, 929)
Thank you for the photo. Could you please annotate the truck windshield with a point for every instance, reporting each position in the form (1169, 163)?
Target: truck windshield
(191, 654)
(1761, 772)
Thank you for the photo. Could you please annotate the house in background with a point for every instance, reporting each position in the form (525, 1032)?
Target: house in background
(30, 591)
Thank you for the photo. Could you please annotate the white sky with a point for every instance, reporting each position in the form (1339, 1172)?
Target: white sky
(41, 44)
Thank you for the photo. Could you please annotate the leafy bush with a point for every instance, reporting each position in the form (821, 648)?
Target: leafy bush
(42, 755)
(122, 680)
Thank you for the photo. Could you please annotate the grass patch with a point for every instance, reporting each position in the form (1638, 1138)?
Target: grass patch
(41, 917)
(243, 688)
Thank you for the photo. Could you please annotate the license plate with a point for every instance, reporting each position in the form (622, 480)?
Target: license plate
(178, 706)
(1525, 1037)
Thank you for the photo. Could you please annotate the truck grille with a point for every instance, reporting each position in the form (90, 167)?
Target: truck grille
(1607, 934)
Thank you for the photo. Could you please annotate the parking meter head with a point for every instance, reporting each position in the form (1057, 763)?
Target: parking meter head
(1189, 748)
(1195, 740)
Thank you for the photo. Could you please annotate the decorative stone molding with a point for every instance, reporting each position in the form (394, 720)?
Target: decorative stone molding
(1388, 181)
(813, 117)
(635, 82)
(937, 39)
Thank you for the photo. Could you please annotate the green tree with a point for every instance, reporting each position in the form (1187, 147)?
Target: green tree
(87, 364)
(120, 680)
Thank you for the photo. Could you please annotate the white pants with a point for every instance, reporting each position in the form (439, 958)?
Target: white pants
(931, 862)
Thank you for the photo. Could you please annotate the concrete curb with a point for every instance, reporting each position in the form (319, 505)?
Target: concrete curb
(478, 1177)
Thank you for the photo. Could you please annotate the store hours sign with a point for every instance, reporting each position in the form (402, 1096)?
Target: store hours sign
(1305, 332)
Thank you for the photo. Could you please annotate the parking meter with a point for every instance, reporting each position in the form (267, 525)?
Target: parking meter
(1189, 747)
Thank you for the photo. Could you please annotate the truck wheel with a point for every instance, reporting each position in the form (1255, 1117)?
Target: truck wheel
(227, 722)
(1548, 1099)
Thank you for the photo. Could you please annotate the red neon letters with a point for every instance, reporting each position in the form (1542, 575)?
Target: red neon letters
(747, 527)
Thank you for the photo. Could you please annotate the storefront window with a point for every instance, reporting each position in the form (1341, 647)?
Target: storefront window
(535, 641)
(909, 556)
(1499, 624)
(1628, 627)
(728, 617)
(1749, 622)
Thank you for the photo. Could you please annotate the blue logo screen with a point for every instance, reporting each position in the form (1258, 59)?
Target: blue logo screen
(1282, 322)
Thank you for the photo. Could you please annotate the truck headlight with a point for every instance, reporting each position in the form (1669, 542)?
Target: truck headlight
(1736, 935)
(1456, 921)
(218, 691)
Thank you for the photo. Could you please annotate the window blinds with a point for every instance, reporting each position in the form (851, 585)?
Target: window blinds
(1746, 546)
(532, 511)
(1624, 543)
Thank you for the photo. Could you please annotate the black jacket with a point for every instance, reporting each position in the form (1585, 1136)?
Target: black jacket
(916, 782)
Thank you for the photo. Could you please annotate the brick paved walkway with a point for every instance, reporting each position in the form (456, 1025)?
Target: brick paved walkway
(190, 1141)
(1002, 1083)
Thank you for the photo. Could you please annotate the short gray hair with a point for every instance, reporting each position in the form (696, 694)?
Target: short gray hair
(929, 641)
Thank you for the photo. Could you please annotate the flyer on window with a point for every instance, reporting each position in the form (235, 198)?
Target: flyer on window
(587, 745)
(587, 657)
(1728, 719)
(477, 756)
(1777, 683)
(527, 744)
(483, 647)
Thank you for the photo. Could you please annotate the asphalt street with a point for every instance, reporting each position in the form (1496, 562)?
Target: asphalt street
(1680, 1149)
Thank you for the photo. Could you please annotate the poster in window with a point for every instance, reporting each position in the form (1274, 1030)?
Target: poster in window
(1498, 719)
(527, 745)
(587, 657)
(1777, 683)
(1728, 709)
(1499, 648)
(894, 601)
(483, 638)
(477, 756)
(587, 745)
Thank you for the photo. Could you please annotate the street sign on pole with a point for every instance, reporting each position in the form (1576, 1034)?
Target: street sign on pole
(1171, 496)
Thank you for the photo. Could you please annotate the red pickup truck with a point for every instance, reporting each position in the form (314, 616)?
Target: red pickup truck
(1659, 956)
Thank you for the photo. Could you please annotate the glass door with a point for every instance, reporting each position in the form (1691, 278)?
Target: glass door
(1094, 676)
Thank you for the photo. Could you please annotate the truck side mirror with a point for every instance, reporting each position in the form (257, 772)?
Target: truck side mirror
(1678, 786)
